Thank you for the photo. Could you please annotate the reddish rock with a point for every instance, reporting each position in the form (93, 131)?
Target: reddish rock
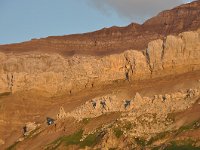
(117, 39)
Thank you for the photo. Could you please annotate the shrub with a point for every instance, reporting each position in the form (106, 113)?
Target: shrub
(118, 132)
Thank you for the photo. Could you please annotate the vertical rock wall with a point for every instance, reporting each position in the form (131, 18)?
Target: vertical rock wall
(54, 74)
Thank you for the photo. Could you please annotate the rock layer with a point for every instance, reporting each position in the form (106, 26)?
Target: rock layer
(168, 103)
(55, 74)
(117, 39)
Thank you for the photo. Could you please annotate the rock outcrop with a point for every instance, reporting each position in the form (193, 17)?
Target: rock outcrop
(29, 127)
(37, 75)
(137, 105)
(53, 74)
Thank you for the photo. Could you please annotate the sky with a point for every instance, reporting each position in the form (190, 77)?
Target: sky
(22, 20)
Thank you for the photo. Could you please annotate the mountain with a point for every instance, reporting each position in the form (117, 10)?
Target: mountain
(134, 87)
(117, 39)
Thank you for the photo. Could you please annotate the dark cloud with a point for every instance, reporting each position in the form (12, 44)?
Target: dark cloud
(134, 10)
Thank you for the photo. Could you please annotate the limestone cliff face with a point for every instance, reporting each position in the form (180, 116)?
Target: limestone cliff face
(55, 74)
(175, 54)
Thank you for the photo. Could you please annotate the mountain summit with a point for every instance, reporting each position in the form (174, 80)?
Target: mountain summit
(117, 39)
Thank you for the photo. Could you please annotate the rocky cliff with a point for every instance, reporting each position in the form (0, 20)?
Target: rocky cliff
(98, 95)
(117, 39)
(55, 74)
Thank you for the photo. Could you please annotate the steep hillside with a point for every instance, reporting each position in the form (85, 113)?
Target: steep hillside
(134, 87)
(35, 85)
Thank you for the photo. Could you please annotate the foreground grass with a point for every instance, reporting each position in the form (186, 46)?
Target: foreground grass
(12, 147)
(86, 120)
(185, 145)
(75, 139)
(193, 125)
(30, 135)
(91, 140)
(181, 147)
(118, 132)
(140, 141)
(157, 137)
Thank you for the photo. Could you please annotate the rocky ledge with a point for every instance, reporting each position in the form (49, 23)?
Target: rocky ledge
(54, 74)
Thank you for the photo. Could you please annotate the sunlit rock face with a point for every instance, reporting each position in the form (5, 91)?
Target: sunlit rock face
(175, 53)
(54, 74)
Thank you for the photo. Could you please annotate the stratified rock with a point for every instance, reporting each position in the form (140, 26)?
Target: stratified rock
(53, 74)
(117, 39)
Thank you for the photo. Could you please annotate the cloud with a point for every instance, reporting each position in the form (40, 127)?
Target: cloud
(134, 10)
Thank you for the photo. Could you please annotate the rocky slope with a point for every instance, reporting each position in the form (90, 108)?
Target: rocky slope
(158, 59)
(53, 74)
(117, 39)
(145, 119)
(147, 123)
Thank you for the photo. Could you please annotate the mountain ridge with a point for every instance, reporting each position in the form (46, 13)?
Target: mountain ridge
(148, 97)
(117, 39)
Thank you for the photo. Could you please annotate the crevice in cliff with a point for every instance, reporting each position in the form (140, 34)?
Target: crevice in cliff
(10, 79)
(147, 56)
(183, 46)
(163, 49)
(128, 68)
(127, 75)
(146, 53)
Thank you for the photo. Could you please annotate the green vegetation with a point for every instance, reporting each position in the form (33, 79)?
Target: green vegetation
(91, 140)
(182, 147)
(128, 126)
(86, 120)
(157, 137)
(186, 146)
(118, 132)
(162, 135)
(140, 141)
(12, 147)
(31, 134)
(193, 125)
(171, 117)
(179, 145)
(74, 139)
